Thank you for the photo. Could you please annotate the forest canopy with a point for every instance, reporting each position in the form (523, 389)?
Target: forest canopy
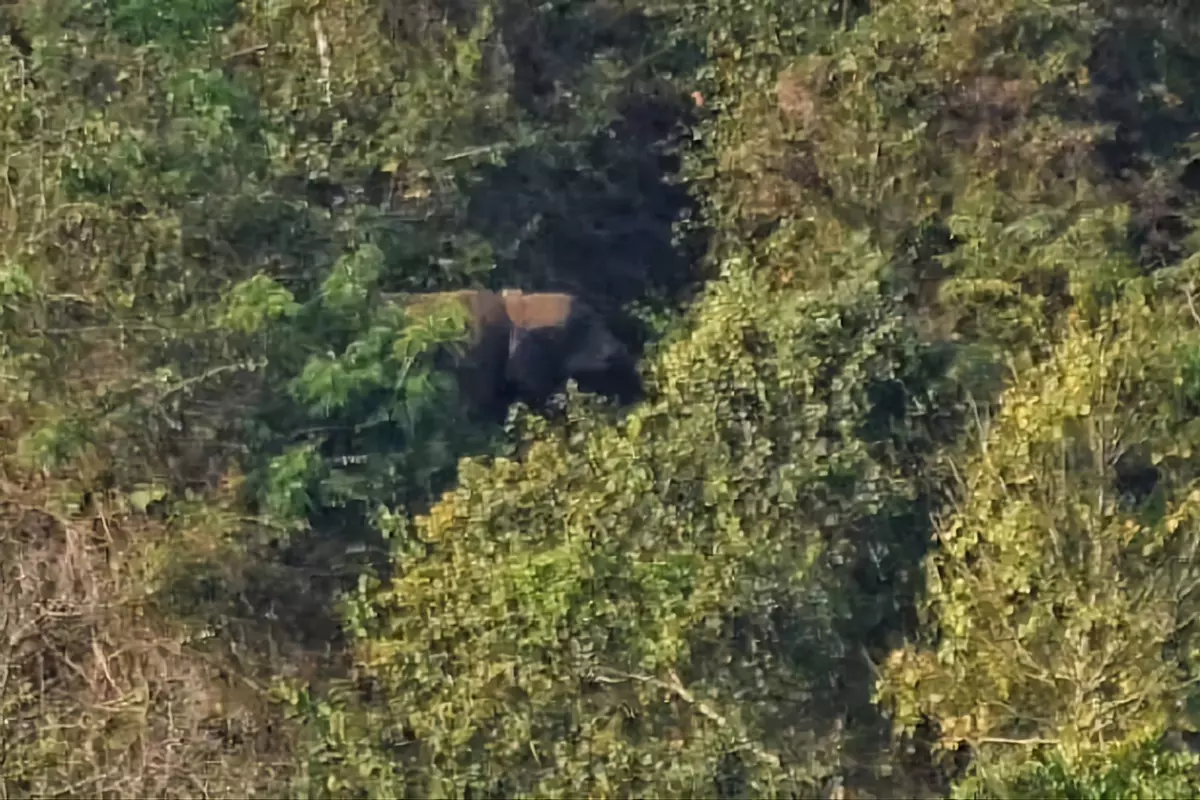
(909, 506)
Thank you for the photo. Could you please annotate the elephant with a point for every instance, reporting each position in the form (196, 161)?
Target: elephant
(526, 346)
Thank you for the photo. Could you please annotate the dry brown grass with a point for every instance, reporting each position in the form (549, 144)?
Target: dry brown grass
(797, 93)
(984, 107)
(99, 694)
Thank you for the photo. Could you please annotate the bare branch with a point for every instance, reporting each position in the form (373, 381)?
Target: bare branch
(1034, 742)
(323, 57)
(248, 51)
(675, 686)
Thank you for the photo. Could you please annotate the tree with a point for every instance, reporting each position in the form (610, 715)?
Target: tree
(654, 608)
(1061, 596)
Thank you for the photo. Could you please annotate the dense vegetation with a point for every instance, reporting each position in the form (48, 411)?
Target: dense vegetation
(912, 507)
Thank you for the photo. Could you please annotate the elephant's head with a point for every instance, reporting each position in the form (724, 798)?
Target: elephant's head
(555, 337)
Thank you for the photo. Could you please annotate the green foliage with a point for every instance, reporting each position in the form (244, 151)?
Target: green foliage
(15, 283)
(256, 302)
(916, 472)
(1063, 581)
(175, 25)
(55, 442)
(289, 482)
(572, 611)
(1143, 771)
(348, 287)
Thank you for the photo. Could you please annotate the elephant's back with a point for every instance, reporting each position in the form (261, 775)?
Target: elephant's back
(479, 366)
(538, 309)
(485, 309)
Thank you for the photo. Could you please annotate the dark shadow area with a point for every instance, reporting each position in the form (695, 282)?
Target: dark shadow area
(276, 604)
(603, 229)
(595, 217)
(913, 418)
(551, 46)
(915, 271)
(12, 30)
(410, 21)
(598, 217)
(1147, 86)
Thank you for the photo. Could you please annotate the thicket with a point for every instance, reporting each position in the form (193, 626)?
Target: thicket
(912, 507)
